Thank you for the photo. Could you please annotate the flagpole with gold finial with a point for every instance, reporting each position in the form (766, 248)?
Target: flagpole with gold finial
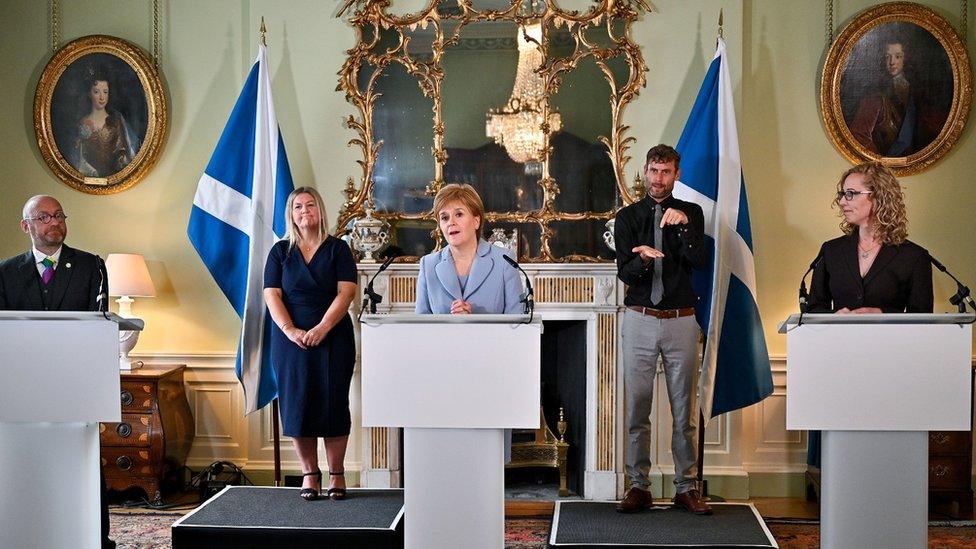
(263, 33)
(720, 17)
(702, 483)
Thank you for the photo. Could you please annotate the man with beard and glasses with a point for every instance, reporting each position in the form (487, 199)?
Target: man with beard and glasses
(52, 276)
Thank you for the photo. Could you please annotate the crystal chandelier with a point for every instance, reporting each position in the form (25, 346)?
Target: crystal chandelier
(517, 125)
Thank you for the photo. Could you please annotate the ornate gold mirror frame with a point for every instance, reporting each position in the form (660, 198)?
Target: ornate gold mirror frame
(616, 15)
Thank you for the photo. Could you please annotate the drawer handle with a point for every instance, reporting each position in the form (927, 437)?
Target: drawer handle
(126, 398)
(124, 463)
(939, 438)
(940, 471)
(124, 430)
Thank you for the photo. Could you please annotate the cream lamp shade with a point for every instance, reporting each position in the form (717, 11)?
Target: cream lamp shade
(128, 277)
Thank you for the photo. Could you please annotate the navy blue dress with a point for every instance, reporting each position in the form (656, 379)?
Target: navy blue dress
(313, 383)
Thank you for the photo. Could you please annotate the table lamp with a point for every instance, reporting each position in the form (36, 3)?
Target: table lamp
(128, 277)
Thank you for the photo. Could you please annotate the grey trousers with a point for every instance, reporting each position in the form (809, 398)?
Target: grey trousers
(643, 339)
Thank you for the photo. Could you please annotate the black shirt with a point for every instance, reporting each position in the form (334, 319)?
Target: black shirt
(683, 249)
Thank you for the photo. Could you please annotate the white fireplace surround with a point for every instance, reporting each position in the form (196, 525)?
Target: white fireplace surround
(567, 292)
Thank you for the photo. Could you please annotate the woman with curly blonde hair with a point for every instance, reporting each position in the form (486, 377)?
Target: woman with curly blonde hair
(874, 268)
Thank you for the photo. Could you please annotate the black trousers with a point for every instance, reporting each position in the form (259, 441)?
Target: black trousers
(103, 502)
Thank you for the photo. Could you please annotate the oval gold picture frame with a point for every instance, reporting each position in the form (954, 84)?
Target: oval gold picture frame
(133, 136)
(879, 24)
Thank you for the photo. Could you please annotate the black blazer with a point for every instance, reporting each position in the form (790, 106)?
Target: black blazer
(899, 281)
(75, 286)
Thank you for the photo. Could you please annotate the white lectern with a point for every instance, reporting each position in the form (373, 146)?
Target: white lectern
(875, 385)
(454, 382)
(60, 378)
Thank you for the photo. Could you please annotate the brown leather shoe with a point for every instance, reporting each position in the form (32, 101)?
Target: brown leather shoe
(635, 500)
(693, 502)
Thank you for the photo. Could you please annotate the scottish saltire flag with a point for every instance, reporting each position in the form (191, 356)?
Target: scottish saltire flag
(238, 214)
(735, 370)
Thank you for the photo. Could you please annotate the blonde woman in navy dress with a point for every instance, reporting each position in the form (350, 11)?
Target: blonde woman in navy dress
(309, 282)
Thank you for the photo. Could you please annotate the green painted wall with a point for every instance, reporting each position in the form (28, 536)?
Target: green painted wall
(791, 167)
(776, 47)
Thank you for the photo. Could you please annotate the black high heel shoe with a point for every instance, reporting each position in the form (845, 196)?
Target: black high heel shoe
(311, 494)
(336, 494)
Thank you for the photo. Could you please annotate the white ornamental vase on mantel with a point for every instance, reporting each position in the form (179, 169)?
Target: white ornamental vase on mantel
(608, 234)
(499, 238)
(369, 236)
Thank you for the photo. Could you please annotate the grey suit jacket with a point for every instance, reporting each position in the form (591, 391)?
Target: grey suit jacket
(493, 286)
(75, 285)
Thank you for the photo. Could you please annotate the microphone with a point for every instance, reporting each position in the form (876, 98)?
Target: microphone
(962, 297)
(101, 300)
(371, 297)
(803, 283)
(529, 299)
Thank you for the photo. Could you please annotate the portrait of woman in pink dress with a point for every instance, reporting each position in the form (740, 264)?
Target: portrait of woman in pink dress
(99, 115)
(105, 143)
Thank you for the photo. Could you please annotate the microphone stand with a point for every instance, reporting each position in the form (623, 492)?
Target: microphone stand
(371, 298)
(101, 300)
(963, 296)
(804, 296)
(529, 299)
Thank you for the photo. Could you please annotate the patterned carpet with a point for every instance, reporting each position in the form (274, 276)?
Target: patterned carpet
(804, 536)
(151, 529)
(142, 529)
(133, 529)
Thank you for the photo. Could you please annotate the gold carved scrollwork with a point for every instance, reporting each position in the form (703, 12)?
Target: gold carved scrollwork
(370, 17)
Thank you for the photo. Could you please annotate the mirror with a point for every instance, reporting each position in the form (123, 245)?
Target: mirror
(460, 93)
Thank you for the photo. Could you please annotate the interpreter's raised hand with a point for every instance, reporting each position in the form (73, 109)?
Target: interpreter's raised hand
(315, 336)
(296, 335)
(460, 307)
(647, 253)
(673, 216)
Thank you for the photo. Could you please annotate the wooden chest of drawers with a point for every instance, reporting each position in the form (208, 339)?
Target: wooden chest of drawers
(950, 472)
(148, 448)
(950, 466)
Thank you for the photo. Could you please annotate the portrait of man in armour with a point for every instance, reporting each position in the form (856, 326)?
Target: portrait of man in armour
(896, 89)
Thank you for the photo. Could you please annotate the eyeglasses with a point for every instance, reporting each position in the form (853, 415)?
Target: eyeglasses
(849, 194)
(46, 218)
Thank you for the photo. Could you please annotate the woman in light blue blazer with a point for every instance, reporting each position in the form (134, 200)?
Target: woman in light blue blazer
(468, 276)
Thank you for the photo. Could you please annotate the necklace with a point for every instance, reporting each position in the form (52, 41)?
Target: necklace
(866, 253)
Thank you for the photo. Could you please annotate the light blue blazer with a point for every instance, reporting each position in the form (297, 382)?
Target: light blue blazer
(493, 286)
